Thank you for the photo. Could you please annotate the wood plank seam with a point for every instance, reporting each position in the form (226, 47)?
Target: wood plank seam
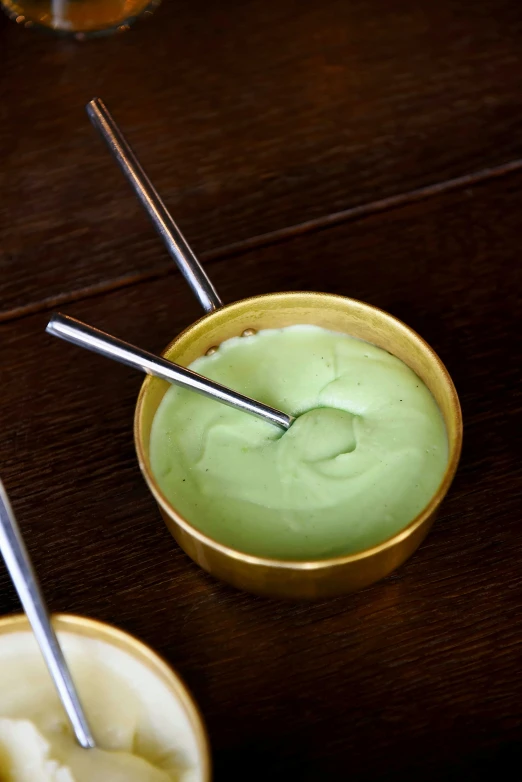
(276, 237)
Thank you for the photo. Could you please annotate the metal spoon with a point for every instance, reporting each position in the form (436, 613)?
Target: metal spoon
(26, 584)
(85, 336)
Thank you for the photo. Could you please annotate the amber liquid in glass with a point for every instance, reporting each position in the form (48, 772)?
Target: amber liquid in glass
(77, 16)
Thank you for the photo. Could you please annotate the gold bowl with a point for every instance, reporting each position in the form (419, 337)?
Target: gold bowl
(324, 577)
(144, 655)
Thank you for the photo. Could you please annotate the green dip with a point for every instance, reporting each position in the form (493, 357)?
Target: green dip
(366, 454)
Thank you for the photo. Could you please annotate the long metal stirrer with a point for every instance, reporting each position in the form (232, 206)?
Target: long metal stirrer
(85, 336)
(174, 240)
(26, 584)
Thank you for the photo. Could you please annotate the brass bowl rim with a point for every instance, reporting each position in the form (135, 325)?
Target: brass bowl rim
(315, 564)
(94, 628)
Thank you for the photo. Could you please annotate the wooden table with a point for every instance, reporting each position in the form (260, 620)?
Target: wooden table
(365, 148)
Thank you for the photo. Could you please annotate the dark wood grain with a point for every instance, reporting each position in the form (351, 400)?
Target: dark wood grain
(415, 678)
(251, 116)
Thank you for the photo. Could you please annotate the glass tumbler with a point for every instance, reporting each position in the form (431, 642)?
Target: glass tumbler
(80, 18)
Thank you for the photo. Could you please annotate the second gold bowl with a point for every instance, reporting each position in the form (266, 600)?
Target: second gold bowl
(99, 641)
(317, 578)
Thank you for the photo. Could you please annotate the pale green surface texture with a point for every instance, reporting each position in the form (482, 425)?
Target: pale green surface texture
(366, 455)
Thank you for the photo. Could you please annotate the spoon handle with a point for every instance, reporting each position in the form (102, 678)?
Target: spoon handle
(26, 584)
(72, 330)
(174, 240)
